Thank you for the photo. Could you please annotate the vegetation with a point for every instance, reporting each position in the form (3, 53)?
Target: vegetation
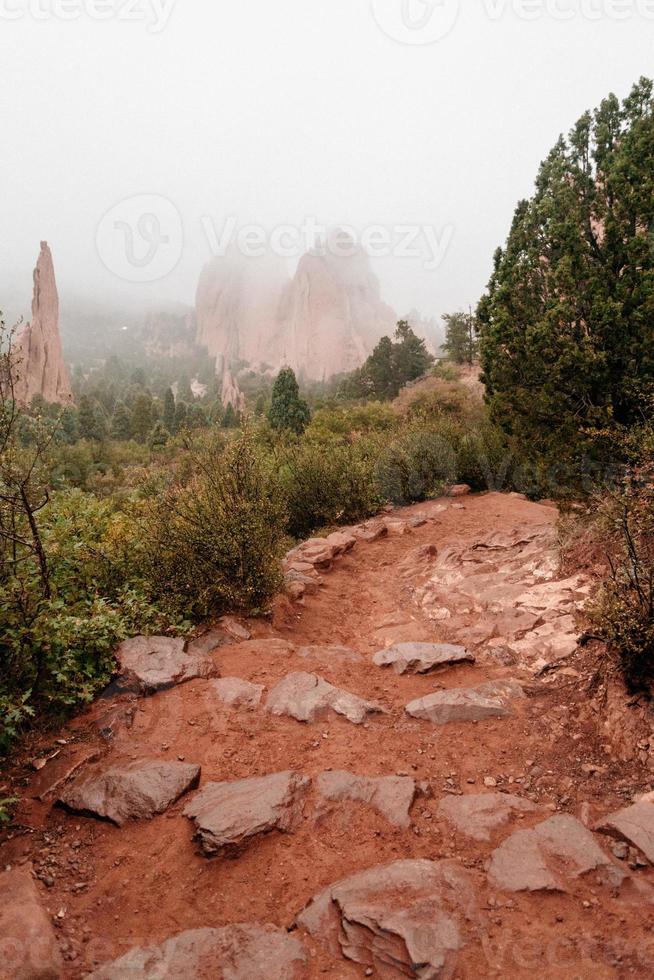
(390, 366)
(288, 412)
(567, 324)
(461, 343)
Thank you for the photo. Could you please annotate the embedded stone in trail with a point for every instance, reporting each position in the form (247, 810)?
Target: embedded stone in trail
(421, 658)
(238, 693)
(155, 663)
(634, 824)
(391, 796)
(478, 815)
(131, 791)
(229, 815)
(457, 704)
(306, 697)
(402, 919)
(238, 952)
(27, 939)
(541, 859)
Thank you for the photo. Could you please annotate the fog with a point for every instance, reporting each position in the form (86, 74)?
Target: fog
(140, 135)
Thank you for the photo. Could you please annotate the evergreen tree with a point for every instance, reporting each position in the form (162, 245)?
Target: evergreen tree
(461, 337)
(87, 418)
(567, 323)
(410, 360)
(159, 436)
(229, 420)
(288, 411)
(180, 415)
(121, 423)
(69, 426)
(196, 417)
(141, 422)
(169, 411)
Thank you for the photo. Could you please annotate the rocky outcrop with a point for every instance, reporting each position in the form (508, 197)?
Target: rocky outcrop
(230, 392)
(131, 791)
(458, 704)
(325, 321)
(39, 367)
(634, 824)
(228, 816)
(408, 918)
(27, 938)
(238, 952)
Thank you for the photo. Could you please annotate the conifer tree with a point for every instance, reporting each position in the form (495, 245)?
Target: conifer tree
(288, 411)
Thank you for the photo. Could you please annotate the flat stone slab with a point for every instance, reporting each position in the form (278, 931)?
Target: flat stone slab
(131, 791)
(458, 704)
(391, 796)
(155, 663)
(634, 824)
(238, 693)
(545, 857)
(27, 937)
(478, 815)
(238, 952)
(421, 658)
(228, 816)
(307, 697)
(401, 919)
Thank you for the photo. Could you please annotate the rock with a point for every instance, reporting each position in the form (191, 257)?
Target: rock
(238, 952)
(316, 552)
(480, 814)
(27, 938)
(235, 629)
(209, 641)
(634, 824)
(228, 816)
(460, 490)
(543, 858)
(341, 542)
(118, 717)
(230, 391)
(307, 697)
(155, 663)
(403, 919)
(457, 704)
(298, 584)
(40, 366)
(505, 689)
(421, 658)
(391, 796)
(132, 790)
(331, 655)
(61, 768)
(370, 532)
(238, 693)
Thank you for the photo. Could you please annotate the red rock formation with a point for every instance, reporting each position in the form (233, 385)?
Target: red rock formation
(40, 367)
(325, 321)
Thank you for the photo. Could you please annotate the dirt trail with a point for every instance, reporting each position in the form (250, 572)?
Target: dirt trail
(466, 575)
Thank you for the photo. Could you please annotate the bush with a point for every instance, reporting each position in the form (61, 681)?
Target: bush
(623, 611)
(415, 466)
(327, 483)
(215, 542)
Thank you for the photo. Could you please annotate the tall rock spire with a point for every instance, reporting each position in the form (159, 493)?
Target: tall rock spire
(40, 366)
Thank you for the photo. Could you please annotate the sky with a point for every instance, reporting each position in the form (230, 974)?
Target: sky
(141, 136)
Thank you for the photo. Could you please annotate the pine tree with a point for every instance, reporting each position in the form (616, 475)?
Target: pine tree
(142, 417)
(180, 415)
(288, 411)
(86, 418)
(461, 337)
(169, 411)
(159, 436)
(121, 423)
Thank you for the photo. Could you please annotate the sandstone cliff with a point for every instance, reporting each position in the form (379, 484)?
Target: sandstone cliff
(324, 322)
(40, 366)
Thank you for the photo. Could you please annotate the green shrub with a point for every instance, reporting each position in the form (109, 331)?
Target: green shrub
(415, 466)
(215, 542)
(623, 611)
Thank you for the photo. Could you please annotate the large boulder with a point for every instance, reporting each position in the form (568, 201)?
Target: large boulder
(634, 824)
(131, 790)
(402, 919)
(479, 815)
(458, 704)
(155, 663)
(545, 857)
(307, 697)
(421, 658)
(391, 796)
(27, 939)
(228, 816)
(238, 952)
